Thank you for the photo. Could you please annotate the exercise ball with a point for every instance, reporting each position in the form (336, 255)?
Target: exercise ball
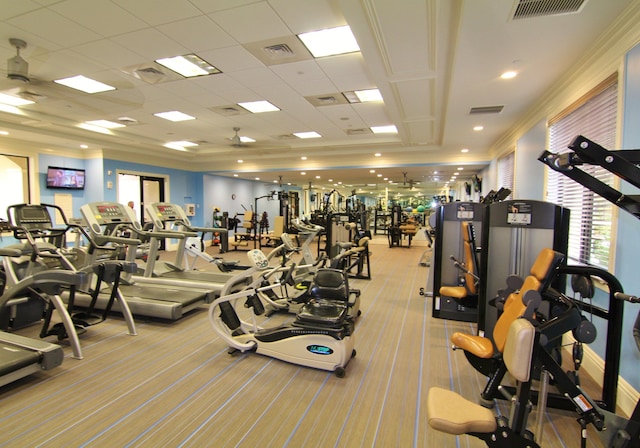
(420, 208)
(409, 209)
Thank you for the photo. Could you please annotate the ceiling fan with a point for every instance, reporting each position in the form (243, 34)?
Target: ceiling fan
(407, 183)
(19, 82)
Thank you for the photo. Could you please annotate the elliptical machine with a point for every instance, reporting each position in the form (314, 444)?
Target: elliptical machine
(321, 336)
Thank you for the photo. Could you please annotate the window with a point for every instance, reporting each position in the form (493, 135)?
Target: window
(594, 117)
(505, 172)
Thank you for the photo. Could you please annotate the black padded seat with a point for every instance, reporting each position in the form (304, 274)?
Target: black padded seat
(330, 295)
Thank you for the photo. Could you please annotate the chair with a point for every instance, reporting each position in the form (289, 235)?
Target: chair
(465, 294)
(329, 301)
(451, 413)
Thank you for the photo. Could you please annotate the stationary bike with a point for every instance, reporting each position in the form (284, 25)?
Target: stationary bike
(321, 336)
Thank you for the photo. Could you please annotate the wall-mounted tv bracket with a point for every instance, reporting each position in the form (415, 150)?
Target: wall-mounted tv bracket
(623, 164)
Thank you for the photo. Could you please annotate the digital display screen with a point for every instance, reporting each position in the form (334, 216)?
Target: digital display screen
(66, 178)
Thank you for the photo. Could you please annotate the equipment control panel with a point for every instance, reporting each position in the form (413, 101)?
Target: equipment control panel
(99, 214)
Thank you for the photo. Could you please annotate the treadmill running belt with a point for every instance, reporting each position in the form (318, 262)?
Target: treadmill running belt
(13, 358)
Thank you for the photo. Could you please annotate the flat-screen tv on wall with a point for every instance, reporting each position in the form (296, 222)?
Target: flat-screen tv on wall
(65, 178)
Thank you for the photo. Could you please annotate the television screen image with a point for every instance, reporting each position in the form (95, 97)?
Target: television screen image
(67, 178)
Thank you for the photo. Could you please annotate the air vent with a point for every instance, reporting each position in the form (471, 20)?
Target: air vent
(486, 110)
(328, 99)
(127, 121)
(229, 110)
(31, 95)
(360, 131)
(279, 51)
(526, 9)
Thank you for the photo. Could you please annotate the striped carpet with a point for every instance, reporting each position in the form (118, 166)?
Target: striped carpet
(175, 385)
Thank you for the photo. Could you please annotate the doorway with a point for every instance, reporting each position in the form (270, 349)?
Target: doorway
(138, 190)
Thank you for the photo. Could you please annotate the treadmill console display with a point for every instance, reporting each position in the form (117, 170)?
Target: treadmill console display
(110, 211)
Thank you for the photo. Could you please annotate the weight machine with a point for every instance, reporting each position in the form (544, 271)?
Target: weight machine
(623, 164)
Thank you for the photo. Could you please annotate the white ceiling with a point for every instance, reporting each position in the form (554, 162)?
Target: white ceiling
(433, 60)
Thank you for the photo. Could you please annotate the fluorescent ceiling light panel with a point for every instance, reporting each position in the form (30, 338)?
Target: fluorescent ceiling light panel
(13, 100)
(188, 65)
(390, 129)
(94, 128)
(245, 139)
(368, 95)
(105, 124)
(180, 145)
(257, 107)
(330, 42)
(311, 134)
(84, 84)
(174, 115)
(183, 143)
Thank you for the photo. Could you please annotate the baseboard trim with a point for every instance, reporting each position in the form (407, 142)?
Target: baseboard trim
(593, 364)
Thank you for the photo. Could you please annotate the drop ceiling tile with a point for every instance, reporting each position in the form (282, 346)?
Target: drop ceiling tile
(55, 28)
(197, 34)
(157, 12)
(12, 8)
(231, 59)
(250, 23)
(150, 43)
(347, 71)
(109, 53)
(308, 15)
(104, 18)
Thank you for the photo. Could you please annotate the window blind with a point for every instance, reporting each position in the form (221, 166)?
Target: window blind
(505, 172)
(591, 215)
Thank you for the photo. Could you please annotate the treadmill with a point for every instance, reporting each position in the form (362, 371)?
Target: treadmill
(107, 222)
(21, 356)
(167, 217)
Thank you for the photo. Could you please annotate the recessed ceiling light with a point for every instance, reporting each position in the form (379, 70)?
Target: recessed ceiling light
(390, 129)
(330, 180)
(13, 100)
(311, 134)
(317, 177)
(185, 143)
(372, 171)
(377, 154)
(180, 145)
(330, 42)
(257, 107)
(235, 175)
(379, 175)
(174, 115)
(368, 95)
(105, 124)
(386, 178)
(464, 150)
(303, 173)
(4, 133)
(240, 161)
(188, 65)
(478, 128)
(84, 146)
(509, 74)
(94, 128)
(257, 178)
(303, 158)
(460, 168)
(10, 109)
(84, 84)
